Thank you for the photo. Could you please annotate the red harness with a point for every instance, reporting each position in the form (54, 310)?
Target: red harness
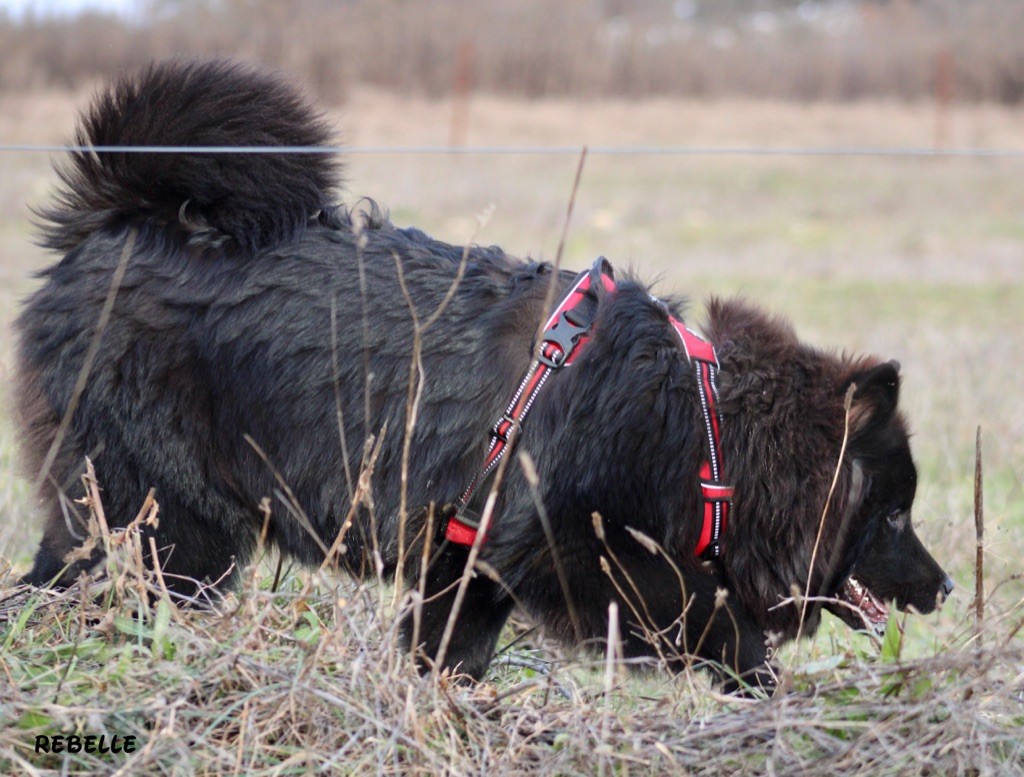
(717, 495)
(564, 336)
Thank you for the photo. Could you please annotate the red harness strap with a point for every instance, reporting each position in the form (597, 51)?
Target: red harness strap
(717, 495)
(565, 334)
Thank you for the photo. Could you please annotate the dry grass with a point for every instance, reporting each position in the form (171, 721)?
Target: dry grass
(309, 679)
(916, 260)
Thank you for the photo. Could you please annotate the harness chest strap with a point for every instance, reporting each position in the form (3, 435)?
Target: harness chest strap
(716, 494)
(564, 335)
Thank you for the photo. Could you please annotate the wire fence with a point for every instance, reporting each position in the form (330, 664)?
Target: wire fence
(706, 151)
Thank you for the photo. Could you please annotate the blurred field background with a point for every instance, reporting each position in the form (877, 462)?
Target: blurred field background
(918, 259)
(792, 49)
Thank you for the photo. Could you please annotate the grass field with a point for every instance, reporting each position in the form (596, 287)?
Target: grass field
(919, 260)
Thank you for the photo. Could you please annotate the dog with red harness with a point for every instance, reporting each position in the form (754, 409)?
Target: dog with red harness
(216, 325)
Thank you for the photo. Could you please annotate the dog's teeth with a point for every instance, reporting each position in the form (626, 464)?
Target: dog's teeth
(872, 609)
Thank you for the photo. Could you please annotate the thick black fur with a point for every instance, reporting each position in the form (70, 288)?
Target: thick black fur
(252, 310)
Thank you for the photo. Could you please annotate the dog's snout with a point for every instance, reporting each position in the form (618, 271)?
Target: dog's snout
(947, 586)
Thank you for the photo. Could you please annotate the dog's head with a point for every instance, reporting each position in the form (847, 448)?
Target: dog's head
(786, 420)
(881, 561)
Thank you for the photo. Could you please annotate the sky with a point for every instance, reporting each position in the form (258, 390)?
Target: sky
(18, 8)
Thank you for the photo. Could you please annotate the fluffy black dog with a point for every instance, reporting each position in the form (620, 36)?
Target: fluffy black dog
(258, 335)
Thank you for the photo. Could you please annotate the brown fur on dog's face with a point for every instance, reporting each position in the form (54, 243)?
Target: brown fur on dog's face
(784, 402)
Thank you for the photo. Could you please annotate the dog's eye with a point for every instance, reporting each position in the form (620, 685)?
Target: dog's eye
(896, 517)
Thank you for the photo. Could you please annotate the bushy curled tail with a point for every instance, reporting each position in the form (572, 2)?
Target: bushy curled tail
(260, 200)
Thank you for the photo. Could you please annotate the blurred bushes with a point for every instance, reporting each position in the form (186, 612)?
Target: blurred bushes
(827, 50)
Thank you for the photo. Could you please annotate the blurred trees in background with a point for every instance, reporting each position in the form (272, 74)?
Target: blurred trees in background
(785, 49)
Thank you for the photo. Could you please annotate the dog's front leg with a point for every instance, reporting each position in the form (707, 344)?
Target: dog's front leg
(726, 639)
(477, 624)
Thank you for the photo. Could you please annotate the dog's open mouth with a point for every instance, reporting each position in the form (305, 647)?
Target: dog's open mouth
(872, 611)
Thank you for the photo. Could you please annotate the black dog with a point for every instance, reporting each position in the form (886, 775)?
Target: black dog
(257, 336)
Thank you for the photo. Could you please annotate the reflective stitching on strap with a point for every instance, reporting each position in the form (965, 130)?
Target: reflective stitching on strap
(716, 495)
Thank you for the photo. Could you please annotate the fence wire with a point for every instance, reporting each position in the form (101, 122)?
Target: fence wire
(681, 151)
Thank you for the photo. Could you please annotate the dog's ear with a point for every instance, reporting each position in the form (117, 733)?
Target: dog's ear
(876, 395)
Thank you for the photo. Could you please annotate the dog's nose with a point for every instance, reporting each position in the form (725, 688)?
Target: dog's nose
(947, 586)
